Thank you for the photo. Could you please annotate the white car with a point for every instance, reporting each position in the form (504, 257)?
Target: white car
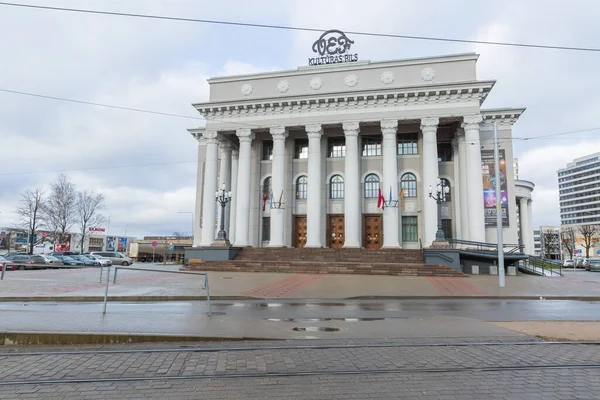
(104, 262)
(569, 263)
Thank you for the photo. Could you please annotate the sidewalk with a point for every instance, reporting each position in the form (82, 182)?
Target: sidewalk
(84, 285)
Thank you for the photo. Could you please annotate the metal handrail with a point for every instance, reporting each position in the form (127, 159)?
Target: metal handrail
(206, 287)
(483, 246)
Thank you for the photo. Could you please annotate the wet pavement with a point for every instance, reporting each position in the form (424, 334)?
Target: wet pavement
(163, 284)
(290, 319)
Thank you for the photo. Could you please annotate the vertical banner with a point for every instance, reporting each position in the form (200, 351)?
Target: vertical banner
(489, 187)
(122, 244)
(110, 243)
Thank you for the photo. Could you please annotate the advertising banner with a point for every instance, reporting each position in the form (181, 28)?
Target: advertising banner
(122, 245)
(110, 243)
(489, 187)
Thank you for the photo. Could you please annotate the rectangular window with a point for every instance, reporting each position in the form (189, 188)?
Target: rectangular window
(447, 228)
(267, 153)
(407, 144)
(371, 146)
(410, 229)
(96, 241)
(336, 147)
(301, 149)
(444, 151)
(266, 229)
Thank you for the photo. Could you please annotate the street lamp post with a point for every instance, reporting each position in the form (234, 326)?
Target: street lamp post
(223, 197)
(441, 191)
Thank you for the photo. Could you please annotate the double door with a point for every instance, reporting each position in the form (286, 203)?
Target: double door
(299, 231)
(372, 231)
(335, 231)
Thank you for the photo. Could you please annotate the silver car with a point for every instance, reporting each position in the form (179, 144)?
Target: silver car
(104, 262)
(116, 257)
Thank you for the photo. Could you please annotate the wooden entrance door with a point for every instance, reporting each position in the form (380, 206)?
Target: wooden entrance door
(335, 231)
(373, 231)
(299, 231)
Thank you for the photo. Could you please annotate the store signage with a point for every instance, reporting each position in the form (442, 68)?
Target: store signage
(97, 229)
(332, 47)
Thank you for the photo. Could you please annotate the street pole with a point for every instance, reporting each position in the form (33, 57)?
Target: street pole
(501, 278)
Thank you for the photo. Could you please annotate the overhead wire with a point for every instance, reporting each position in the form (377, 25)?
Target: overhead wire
(305, 29)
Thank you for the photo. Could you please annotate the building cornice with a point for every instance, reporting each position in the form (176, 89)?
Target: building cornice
(410, 96)
(506, 116)
(361, 65)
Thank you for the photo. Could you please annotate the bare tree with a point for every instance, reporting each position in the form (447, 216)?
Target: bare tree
(549, 242)
(88, 206)
(60, 210)
(568, 240)
(30, 213)
(589, 233)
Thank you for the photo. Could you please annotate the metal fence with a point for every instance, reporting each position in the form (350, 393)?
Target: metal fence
(117, 268)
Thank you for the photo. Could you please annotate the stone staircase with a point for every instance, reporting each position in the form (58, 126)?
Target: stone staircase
(400, 262)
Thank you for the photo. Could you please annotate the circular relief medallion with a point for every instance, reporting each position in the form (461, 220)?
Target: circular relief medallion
(428, 74)
(387, 77)
(247, 89)
(316, 83)
(351, 80)
(283, 86)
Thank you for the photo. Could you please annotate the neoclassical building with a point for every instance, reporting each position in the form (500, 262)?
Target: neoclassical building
(310, 154)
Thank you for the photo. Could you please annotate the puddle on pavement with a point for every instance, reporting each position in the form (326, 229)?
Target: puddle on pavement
(323, 319)
(315, 329)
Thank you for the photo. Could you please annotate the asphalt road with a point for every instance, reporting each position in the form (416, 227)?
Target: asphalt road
(481, 309)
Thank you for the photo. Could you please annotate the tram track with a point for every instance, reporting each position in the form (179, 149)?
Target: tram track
(304, 374)
(301, 347)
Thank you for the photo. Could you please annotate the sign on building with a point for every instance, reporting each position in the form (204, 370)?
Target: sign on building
(332, 47)
(489, 187)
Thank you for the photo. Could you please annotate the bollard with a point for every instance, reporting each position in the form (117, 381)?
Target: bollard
(207, 294)
(115, 275)
(3, 269)
(106, 290)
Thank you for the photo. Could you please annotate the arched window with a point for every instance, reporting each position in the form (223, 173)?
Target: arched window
(372, 186)
(301, 187)
(409, 185)
(336, 190)
(446, 183)
(267, 186)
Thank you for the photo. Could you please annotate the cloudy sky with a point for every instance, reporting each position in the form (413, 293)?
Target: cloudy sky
(163, 66)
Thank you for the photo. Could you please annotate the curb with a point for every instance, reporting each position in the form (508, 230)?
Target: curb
(65, 338)
(96, 299)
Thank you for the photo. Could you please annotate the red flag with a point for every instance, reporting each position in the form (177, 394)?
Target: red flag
(265, 198)
(380, 200)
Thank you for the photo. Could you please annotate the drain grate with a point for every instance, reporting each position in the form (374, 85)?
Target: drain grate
(315, 329)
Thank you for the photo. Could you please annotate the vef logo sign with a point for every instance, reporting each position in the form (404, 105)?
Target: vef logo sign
(333, 47)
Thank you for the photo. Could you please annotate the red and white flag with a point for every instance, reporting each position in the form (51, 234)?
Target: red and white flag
(380, 200)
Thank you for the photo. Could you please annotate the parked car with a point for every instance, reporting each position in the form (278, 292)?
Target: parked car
(593, 265)
(569, 263)
(67, 260)
(6, 264)
(86, 260)
(24, 261)
(115, 257)
(105, 262)
(50, 260)
(64, 253)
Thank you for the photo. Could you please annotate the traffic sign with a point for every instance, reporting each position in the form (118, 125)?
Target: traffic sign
(154, 244)
(170, 248)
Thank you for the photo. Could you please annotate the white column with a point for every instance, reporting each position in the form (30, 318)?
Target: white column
(352, 211)
(474, 177)
(242, 213)
(430, 175)
(464, 185)
(530, 231)
(209, 202)
(389, 128)
(313, 195)
(199, 186)
(458, 184)
(278, 185)
(524, 223)
(235, 155)
(224, 178)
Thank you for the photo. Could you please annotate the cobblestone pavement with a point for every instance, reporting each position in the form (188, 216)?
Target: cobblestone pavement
(359, 372)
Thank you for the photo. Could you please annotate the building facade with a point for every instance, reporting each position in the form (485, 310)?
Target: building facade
(344, 155)
(547, 242)
(579, 191)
